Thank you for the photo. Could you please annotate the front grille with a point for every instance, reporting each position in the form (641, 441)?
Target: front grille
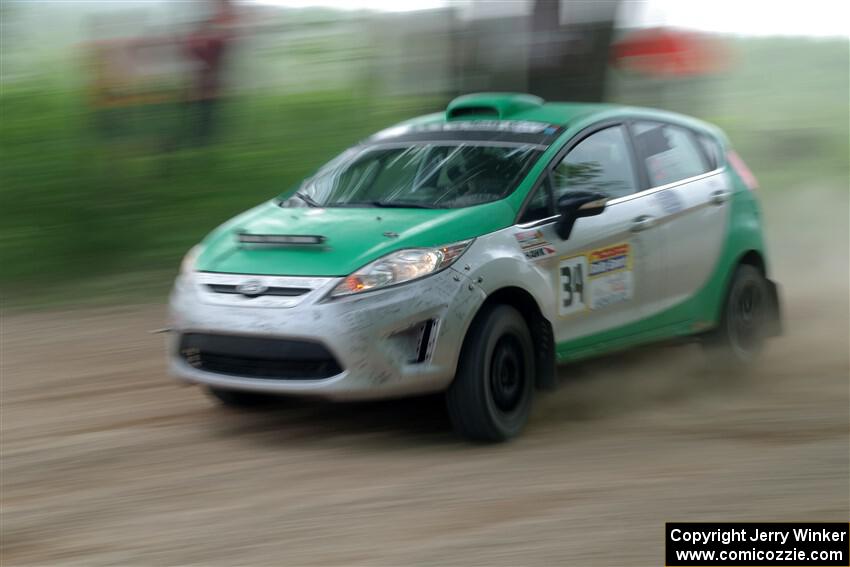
(255, 357)
(279, 291)
(252, 290)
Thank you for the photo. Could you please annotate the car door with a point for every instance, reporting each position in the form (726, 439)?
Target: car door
(694, 197)
(606, 271)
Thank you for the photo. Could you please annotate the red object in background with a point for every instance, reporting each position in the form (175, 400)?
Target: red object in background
(669, 53)
(208, 46)
(742, 170)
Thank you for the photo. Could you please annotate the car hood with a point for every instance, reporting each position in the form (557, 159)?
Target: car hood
(353, 237)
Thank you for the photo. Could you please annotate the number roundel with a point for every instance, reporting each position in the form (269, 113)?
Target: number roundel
(571, 290)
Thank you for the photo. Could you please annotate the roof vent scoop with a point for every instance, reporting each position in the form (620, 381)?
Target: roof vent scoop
(491, 105)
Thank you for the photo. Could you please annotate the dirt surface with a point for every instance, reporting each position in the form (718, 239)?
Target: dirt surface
(105, 460)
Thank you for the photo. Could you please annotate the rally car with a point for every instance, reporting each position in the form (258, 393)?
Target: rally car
(471, 250)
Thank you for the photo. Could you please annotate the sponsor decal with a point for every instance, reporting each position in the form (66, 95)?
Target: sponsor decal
(609, 259)
(534, 245)
(512, 126)
(610, 275)
(516, 126)
(541, 252)
(595, 280)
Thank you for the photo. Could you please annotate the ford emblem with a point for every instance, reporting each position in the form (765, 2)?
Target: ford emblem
(251, 288)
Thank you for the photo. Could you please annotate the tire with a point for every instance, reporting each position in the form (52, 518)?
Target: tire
(491, 396)
(739, 339)
(239, 399)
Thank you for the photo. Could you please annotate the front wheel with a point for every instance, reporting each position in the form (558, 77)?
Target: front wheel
(490, 398)
(739, 339)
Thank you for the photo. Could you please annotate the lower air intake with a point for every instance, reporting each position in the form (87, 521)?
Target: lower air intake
(257, 357)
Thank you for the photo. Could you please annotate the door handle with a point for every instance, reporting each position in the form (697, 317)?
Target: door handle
(642, 222)
(720, 196)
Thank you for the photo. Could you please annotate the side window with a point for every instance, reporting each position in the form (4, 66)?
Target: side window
(712, 150)
(540, 204)
(669, 152)
(601, 162)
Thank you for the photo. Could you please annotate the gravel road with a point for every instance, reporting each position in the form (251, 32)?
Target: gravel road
(106, 461)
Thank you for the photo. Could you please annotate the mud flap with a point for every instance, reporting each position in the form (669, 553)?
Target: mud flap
(773, 327)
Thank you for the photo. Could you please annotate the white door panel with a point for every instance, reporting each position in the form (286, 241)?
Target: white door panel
(695, 230)
(694, 203)
(606, 273)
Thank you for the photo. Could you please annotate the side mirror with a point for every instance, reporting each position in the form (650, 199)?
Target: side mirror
(575, 205)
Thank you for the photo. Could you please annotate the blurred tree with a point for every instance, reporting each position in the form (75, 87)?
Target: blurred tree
(569, 51)
(557, 49)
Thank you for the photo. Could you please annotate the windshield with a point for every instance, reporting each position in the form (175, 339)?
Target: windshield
(420, 175)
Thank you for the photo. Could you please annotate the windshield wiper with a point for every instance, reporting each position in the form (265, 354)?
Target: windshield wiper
(307, 199)
(405, 205)
(385, 205)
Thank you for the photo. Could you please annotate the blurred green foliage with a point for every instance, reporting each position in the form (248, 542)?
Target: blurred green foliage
(79, 202)
(89, 211)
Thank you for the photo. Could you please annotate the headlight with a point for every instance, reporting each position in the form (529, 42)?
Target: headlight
(399, 267)
(188, 263)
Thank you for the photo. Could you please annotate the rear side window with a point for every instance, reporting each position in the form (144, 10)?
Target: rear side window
(669, 153)
(712, 150)
(601, 162)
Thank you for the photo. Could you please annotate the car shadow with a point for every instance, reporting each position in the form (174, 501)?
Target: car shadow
(394, 423)
(611, 385)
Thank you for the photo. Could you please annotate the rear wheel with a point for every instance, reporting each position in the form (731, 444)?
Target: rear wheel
(240, 399)
(739, 339)
(490, 398)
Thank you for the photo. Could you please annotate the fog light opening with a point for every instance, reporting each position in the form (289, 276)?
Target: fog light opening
(426, 340)
(416, 342)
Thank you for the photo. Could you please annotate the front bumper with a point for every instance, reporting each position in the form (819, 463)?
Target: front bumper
(372, 336)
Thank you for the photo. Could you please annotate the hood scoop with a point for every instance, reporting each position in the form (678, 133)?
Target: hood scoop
(281, 240)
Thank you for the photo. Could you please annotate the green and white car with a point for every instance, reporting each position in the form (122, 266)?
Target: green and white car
(470, 251)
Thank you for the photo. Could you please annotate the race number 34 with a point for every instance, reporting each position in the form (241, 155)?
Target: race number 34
(571, 295)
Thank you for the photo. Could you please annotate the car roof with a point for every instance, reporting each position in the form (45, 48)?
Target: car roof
(520, 107)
